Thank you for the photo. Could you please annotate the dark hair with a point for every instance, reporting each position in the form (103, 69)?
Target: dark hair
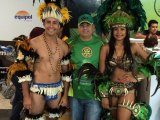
(20, 37)
(65, 30)
(126, 43)
(36, 32)
(152, 22)
(151, 41)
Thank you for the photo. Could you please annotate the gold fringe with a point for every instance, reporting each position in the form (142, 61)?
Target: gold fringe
(65, 38)
(40, 9)
(66, 16)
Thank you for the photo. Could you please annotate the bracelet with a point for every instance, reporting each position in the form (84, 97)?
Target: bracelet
(103, 95)
(138, 78)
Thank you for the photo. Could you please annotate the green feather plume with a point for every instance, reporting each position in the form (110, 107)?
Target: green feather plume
(119, 17)
(143, 113)
(151, 67)
(133, 8)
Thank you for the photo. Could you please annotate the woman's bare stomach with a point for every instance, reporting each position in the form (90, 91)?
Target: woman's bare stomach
(119, 75)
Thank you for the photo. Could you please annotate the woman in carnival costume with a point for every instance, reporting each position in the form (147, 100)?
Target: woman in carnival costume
(117, 61)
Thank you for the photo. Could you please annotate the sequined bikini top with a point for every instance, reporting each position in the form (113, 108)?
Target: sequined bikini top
(120, 62)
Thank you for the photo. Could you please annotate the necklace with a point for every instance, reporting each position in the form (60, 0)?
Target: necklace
(119, 57)
(50, 54)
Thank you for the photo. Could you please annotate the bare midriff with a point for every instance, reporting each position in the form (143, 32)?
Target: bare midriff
(119, 74)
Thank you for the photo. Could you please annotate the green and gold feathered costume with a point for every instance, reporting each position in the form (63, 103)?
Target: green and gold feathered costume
(131, 14)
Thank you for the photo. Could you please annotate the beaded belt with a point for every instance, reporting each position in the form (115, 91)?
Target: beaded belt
(121, 89)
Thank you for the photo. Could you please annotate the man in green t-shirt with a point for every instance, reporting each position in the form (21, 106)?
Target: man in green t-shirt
(85, 48)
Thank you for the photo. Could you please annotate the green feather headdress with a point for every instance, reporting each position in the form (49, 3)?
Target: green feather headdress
(119, 18)
(133, 8)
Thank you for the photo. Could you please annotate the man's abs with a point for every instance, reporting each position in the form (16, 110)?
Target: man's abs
(44, 73)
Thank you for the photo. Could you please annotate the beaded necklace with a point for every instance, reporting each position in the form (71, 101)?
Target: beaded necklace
(50, 54)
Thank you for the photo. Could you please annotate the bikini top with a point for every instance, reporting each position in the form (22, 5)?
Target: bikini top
(120, 62)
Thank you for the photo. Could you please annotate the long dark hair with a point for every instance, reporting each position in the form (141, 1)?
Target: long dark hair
(126, 43)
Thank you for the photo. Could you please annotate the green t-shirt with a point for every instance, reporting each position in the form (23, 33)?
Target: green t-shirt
(84, 52)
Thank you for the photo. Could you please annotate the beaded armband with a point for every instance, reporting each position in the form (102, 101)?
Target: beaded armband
(104, 89)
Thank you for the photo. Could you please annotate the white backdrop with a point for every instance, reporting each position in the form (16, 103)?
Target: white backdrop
(11, 27)
(155, 100)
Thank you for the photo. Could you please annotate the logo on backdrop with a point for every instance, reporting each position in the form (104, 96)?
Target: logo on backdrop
(23, 15)
(157, 7)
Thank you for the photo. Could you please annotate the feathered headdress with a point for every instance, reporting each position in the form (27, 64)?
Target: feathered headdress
(57, 2)
(52, 10)
(119, 18)
(127, 11)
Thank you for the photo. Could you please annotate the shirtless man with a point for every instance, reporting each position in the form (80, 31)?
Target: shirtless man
(46, 86)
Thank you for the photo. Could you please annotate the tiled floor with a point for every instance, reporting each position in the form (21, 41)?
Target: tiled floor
(66, 116)
(4, 103)
(5, 106)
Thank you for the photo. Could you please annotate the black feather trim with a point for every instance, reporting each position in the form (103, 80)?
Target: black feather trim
(87, 69)
(23, 73)
(68, 56)
(157, 87)
(56, 2)
(68, 73)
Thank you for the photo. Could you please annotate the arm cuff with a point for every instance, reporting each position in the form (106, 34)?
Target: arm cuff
(65, 62)
(25, 78)
(66, 78)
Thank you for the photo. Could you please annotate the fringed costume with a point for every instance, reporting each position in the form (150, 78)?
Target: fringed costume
(50, 91)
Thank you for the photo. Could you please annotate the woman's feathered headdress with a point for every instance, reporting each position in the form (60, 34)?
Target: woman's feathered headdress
(124, 11)
(119, 18)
